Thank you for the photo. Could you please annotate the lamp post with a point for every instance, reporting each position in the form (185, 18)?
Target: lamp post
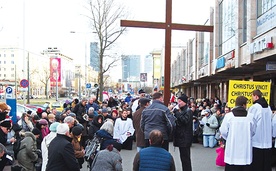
(85, 56)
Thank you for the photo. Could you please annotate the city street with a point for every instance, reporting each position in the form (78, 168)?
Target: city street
(202, 158)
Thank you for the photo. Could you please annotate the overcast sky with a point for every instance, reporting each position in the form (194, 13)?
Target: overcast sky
(48, 24)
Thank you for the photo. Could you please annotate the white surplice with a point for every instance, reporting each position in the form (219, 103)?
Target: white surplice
(238, 132)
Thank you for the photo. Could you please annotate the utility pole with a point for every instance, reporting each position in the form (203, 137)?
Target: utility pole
(28, 75)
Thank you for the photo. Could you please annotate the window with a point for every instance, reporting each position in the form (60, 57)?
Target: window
(4, 55)
(244, 23)
(227, 26)
(12, 75)
(12, 69)
(12, 62)
(264, 5)
(12, 55)
(4, 75)
(4, 62)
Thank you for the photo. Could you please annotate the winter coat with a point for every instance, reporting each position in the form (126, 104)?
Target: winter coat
(211, 129)
(27, 154)
(157, 116)
(44, 148)
(3, 137)
(140, 140)
(162, 160)
(80, 110)
(183, 136)
(78, 149)
(106, 160)
(61, 155)
(106, 138)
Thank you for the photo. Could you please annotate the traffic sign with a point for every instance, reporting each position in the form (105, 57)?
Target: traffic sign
(9, 90)
(24, 83)
(88, 85)
(9, 93)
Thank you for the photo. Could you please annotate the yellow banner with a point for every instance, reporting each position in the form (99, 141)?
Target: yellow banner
(245, 88)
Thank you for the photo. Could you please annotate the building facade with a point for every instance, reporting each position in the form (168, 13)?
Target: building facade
(242, 47)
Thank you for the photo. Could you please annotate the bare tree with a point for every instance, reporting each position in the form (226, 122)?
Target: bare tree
(44, 78)
(104, 17)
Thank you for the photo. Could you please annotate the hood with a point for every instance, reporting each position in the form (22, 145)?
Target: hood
(30, 134)
(262, 102)
(49, 137)
(239, 111)
(95, 121)
(103, 134)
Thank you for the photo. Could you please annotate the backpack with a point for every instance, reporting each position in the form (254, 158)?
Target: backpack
(92, 147)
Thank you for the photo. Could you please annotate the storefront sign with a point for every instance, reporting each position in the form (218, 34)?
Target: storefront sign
(261, 44)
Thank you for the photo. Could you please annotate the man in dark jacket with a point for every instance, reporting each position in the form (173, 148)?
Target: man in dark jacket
(80, 111)
(140, 140)
(158, 116)
(61, 153)
(163, 160)
(183, 136)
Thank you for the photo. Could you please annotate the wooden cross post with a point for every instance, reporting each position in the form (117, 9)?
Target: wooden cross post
(168, 26)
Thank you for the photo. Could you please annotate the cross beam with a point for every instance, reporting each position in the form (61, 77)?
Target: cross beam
(168, 26)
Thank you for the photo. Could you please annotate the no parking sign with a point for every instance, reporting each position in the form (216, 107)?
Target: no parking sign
(24, 83)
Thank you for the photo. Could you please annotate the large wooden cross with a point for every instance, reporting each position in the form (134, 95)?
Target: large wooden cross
(168, 26)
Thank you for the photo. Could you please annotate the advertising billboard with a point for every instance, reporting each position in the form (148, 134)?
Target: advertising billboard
(55, 70)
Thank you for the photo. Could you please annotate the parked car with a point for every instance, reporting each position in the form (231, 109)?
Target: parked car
(20, 109)
(31, 97)
(57, 105)
(35, 106)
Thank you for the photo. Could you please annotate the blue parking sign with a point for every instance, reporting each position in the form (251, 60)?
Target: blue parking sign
(9, 90)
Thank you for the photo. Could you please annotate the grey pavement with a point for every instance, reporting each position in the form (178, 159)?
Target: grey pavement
(202, 158)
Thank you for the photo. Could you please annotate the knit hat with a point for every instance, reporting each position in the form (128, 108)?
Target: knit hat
(183, 98)
(91, 116)
(39, 110)
(53, 127)
(6, 124)
(141, 91)
(29, 112)
(76, 130)
(36, 131)
(104, 110)
(43, 122)
(204, 112)
(115, 111)
(62, 128)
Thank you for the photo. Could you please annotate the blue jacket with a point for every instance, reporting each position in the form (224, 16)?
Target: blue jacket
(155, 159)
(157, 116)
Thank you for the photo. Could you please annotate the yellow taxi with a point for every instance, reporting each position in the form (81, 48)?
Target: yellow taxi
(57, 105)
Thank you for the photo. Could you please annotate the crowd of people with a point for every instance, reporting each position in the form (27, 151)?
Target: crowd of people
(49, 141)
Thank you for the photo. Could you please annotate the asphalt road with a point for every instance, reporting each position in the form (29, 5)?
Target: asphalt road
(202, 158)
